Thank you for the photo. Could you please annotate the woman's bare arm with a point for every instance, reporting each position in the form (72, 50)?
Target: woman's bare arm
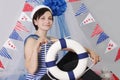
(31, 56)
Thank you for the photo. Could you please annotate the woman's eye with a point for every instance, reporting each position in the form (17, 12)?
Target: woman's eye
(50, 18)
(43, 18)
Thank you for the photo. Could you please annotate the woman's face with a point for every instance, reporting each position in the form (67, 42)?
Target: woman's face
(45, 21)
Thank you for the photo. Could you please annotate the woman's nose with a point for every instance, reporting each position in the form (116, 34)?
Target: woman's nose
(47, 21)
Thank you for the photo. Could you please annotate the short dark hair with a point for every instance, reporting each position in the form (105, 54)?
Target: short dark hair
(38, 14)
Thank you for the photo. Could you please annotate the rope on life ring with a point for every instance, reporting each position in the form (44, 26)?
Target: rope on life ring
(74, 74)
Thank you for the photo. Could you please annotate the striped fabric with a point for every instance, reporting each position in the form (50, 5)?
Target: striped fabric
(41, 61)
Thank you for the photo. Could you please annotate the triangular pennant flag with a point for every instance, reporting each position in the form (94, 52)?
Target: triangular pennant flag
(102, 37)
(97, 30)
(36, 2)
(83, 9)
(73, 0)
(114, 76)
(20, 27)
(4, 53)
(24, 17)
(9, 44)
(88, 19)
(15, 35)
(27, 7)
(1, 65)
(111, 46)
(118, 55)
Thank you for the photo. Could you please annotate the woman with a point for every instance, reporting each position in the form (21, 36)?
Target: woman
(37, 45)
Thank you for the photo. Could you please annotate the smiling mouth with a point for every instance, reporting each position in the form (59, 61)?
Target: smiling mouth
(47, 25)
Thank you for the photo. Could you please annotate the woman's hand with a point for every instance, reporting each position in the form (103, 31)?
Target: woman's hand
(39, 43)
(95, 57)
(54, 39)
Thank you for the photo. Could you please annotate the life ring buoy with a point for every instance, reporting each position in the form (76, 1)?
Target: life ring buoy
(51, 60)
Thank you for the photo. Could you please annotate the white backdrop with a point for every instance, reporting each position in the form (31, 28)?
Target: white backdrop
(105, 11)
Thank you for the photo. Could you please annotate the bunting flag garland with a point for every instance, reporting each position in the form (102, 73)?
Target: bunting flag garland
(27, 7)
(4, 53)
(97, 30)
(1, 65)
(102, 37)
(9, 44)
(118, 55)
(20, 27)
(111, 46)
(24, 17)
(88, 19)
(83, 9)
(15, 35)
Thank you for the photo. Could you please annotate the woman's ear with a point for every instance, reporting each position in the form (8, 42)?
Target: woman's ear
(35, 22)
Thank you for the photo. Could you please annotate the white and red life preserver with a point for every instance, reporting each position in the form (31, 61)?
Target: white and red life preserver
(51, 60)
